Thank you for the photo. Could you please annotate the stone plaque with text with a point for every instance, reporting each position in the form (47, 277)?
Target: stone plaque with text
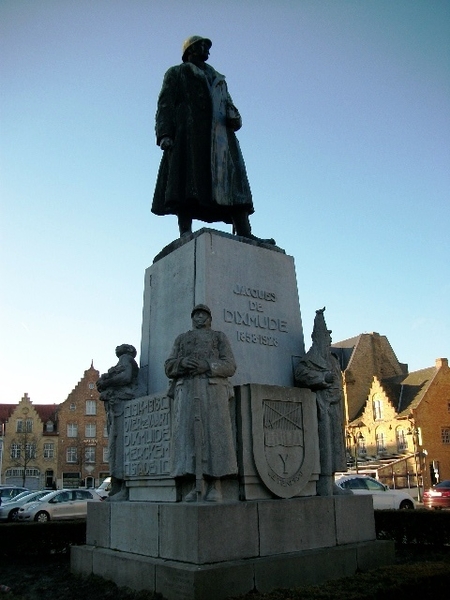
(147, 437)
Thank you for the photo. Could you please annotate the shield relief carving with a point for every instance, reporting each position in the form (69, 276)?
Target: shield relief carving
(284, 433)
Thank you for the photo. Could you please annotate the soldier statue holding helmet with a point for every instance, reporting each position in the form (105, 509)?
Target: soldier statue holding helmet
(202, 174)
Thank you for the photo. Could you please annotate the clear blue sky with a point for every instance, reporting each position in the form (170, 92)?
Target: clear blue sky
(346, 137)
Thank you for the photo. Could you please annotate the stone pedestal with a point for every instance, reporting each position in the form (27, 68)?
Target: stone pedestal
(252, 292)
(201, 552)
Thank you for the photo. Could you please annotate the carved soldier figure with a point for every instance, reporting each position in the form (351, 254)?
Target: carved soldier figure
(199, 366)
(320, 371)
(202, 173)
(117, 386)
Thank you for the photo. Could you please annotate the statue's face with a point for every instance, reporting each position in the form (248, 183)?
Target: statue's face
(199, 51)
(201, 319)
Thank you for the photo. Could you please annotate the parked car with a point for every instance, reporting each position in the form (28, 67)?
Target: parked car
(383, 497)
(9, 510)
(104, 488)
(438, 496)
(8, 492)
(61, 504)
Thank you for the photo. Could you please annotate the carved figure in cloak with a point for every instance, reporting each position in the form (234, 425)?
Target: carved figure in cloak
(117, 386)
(319, 370)
(202, 173)
(202, 434)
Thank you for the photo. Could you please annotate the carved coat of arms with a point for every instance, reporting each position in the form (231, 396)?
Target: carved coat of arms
(284, 439)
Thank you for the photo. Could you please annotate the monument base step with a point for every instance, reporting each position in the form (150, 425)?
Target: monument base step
(185, 581)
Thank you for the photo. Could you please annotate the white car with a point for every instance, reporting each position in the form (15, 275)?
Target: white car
(9, 510)
(383, 497)
(62, 504)
(104, 489)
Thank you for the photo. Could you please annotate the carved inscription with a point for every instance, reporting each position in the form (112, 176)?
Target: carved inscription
(147, 437)
(257, 320)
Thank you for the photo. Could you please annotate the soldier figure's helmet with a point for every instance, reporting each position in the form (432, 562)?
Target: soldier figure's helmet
(191, 40)
(201, 307)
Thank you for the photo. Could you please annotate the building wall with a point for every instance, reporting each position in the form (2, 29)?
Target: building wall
(82, 469)
(431, 416)
(40, 468)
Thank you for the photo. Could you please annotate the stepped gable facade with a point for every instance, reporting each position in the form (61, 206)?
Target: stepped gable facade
(83, 441)
(29, 443)
(361, 358)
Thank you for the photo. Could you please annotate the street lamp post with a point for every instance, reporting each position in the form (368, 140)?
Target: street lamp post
(414, 432)
(2, 443)
(355, 440)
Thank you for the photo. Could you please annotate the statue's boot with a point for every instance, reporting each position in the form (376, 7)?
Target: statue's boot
(184, 224)
(215, 491)
(243, 228)
(191, 496)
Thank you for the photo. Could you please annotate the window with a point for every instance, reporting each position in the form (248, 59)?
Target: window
(72, 430)
(402, 441)
(72, 406)
(105, 455)
(71, 455)
(105, 431)
(90, 431)
(15, 450)
(89, 454)
(377, 410)
(19, 472)
(375, 486)
(381, 443)
(91, 407)
(91, 386)
(30, 450)
(448, 407)
(445, 435)
(49, 450)
(354, 484)
(24, 426)
(49, 427)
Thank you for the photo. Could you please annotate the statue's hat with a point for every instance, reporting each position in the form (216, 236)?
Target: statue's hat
(191, 40)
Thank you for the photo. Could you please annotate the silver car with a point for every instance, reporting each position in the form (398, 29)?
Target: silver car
(62, 504)
(383, 497)
(9, 510)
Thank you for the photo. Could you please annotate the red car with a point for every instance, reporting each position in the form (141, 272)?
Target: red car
(438, 496)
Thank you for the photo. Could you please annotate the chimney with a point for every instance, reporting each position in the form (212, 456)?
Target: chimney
(441, 362)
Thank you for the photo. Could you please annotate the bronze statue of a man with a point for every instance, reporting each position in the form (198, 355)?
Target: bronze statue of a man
(320, 371)
(203, 444)
(202, 173)
(117, 386)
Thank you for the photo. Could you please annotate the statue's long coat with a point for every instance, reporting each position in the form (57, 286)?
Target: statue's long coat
(215, 392)
(204, 171)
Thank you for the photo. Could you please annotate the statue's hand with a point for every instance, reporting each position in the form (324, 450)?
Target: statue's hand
(233, 123)
(201, 367)
(329, 377)
(166, 143)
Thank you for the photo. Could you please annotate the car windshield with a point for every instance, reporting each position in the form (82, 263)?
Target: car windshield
(18, 497)
(47, 496)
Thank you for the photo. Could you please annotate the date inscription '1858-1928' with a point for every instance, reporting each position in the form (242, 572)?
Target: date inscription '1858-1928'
(255, 325)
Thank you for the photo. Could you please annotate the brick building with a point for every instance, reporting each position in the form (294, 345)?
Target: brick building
(398, 423)
(83, 439)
